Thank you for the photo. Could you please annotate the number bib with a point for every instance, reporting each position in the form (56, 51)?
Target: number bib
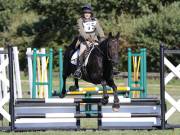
(89, 26)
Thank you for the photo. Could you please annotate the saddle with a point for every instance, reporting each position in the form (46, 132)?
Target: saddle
(87, 53)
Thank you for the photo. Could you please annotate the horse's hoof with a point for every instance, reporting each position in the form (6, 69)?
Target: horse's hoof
(104, 101)
(72, 88)
(106, 96)
(62, 95)
(55, 93)
(116, 107)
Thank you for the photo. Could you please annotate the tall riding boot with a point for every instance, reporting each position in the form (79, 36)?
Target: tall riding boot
(77, 73)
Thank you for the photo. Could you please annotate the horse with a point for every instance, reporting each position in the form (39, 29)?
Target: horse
(99, 69)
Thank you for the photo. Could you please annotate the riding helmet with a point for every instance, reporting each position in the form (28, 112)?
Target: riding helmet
(87, 8)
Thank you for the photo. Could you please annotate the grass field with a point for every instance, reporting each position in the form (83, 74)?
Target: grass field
(153, 90)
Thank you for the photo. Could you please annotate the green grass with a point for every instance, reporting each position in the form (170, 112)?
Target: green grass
(153, 90)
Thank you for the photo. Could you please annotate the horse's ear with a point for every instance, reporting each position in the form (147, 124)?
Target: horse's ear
(110, 35)
(118, 35)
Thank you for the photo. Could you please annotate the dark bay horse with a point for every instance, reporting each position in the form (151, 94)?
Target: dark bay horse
(99, 67)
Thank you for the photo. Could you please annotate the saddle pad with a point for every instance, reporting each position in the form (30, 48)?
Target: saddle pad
(74, 57)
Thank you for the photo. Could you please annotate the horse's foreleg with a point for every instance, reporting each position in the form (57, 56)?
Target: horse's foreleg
(116, 104)
(105, 97)
(75, 87)
(76, 83)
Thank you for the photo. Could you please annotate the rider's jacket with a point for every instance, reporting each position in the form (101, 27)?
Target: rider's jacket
(90, 28)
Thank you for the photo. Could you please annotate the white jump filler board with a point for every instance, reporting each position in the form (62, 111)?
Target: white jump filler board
(175, 72)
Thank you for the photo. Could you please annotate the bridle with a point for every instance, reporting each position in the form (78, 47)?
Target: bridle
(108, 56)
(106, 51)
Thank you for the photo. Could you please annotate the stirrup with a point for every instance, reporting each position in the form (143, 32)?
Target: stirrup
(77, 74)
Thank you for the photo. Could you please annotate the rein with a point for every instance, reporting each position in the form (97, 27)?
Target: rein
(106, 51)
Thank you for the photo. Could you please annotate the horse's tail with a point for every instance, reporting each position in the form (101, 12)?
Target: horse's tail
(72, 46)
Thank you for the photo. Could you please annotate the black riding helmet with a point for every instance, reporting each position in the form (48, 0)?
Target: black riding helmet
(87, 9)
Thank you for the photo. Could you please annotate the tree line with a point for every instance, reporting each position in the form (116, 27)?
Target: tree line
(52, 24)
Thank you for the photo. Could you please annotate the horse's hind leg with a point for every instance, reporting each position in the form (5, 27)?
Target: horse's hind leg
(116, 104)
(63, 92)
(105, 97)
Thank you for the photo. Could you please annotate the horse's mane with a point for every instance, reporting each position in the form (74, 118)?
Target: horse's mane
(103, 44)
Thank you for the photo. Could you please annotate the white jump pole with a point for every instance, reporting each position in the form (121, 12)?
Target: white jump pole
(44, 72)
(30, 72)
(1, 84)
(17, 75)
(3, 74)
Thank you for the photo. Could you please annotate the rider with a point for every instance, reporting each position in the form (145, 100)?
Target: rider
(90, 31)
